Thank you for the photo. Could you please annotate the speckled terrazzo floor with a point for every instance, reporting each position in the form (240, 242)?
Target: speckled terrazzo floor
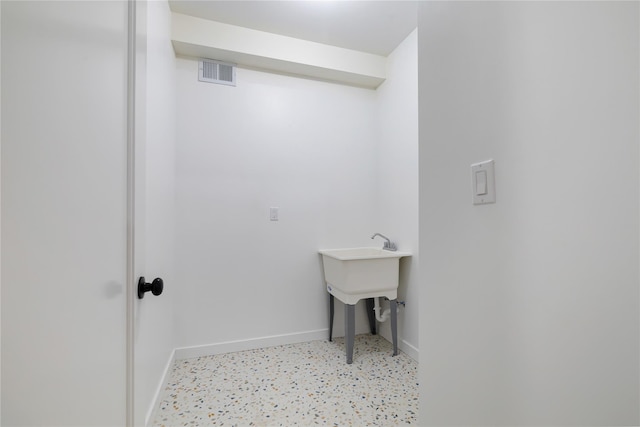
(298, 384)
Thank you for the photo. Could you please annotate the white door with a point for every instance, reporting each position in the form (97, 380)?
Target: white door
(155, 203)
(64, 213)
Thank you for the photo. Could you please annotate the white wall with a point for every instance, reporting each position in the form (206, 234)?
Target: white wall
(155, 318)
(0, 214)
(529, 307)
(397, 179)
(304, 146)
(203, 38)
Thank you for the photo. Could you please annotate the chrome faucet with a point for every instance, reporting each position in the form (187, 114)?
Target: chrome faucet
(388, 244)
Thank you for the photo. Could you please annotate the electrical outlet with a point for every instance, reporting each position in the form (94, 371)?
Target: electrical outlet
(273, 214)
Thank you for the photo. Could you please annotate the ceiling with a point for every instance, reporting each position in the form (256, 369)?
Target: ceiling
(373, 26)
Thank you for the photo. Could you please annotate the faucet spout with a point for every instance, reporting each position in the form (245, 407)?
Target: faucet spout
(388, 244)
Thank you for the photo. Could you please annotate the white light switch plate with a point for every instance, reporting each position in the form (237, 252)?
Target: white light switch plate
(483, 183)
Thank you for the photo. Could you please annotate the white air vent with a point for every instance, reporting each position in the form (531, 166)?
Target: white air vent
(216, 72)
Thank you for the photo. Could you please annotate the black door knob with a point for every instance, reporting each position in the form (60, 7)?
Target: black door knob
(155, 287)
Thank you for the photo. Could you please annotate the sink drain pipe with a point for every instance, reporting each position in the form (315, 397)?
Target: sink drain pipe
(382, 317)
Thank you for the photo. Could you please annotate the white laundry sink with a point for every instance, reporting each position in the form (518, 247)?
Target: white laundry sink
(355, 273)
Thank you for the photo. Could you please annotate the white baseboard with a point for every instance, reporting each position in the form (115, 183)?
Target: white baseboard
(249, 344)
(155, 402)
(403, 345)
(410, 350)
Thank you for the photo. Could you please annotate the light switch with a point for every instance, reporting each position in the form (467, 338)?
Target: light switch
(483, 184)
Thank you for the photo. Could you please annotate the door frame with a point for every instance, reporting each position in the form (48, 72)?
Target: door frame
(131, 198)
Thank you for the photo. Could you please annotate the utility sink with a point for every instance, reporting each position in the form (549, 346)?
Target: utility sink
(356, 273)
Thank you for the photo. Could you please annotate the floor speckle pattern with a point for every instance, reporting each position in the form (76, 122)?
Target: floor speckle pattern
(298, 384)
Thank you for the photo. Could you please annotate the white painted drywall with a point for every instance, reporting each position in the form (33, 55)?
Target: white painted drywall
(155, 335)
(63, 213)
(529, 307)
(0, 213)
(304, 146)
(202, 38)
(397, 179)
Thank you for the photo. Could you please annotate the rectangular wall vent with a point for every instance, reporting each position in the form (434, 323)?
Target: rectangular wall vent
(216, 72)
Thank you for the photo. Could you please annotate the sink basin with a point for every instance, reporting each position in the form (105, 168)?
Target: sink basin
(356, 273)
